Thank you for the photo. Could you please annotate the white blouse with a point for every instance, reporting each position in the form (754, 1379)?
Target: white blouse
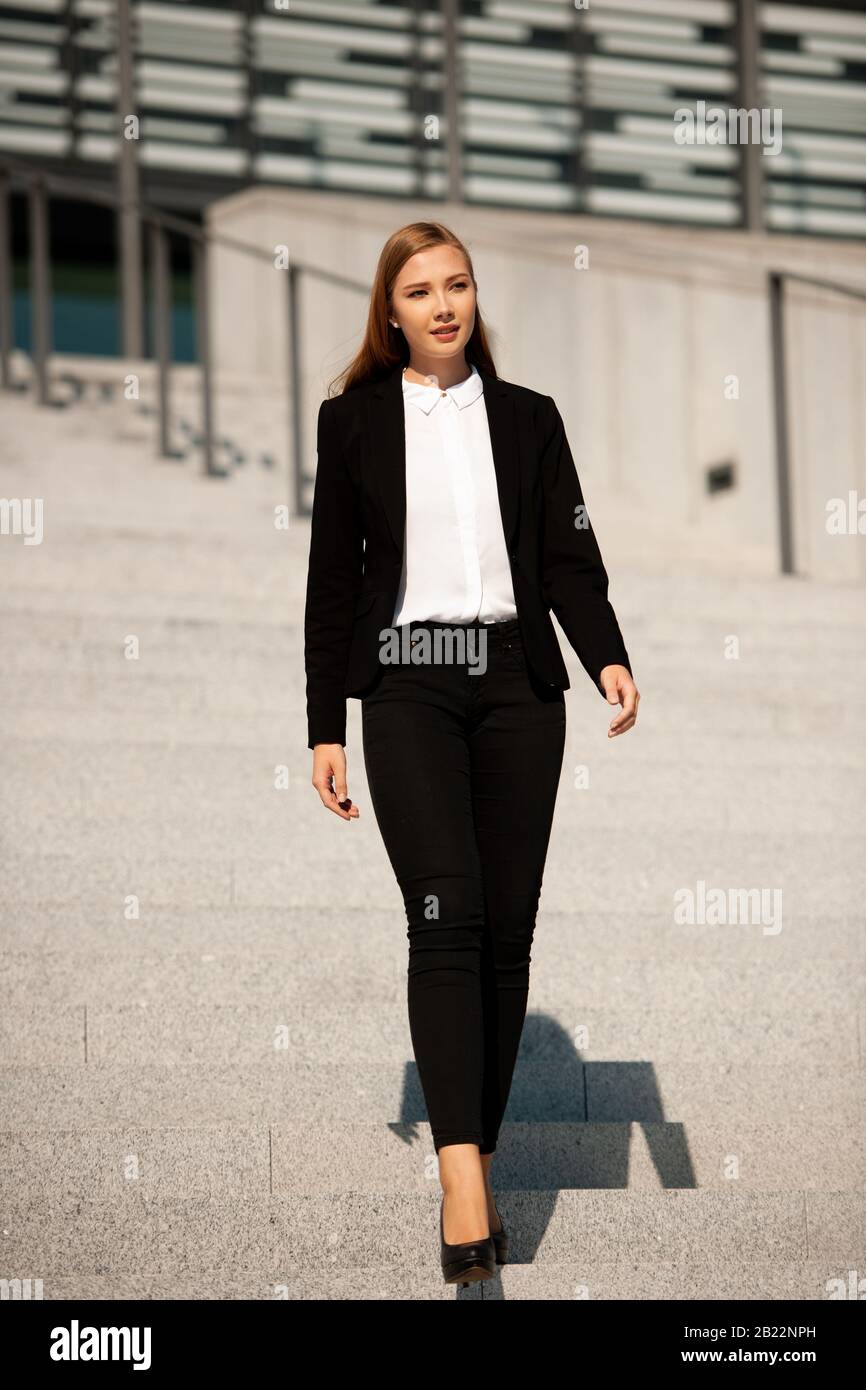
(455, 560)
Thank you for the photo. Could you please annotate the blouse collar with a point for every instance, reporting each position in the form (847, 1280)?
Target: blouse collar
(462, 394)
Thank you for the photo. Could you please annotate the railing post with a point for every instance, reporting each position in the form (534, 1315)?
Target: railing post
(160, 271)
(129, 215)
(297, 441)
(780, 404)
(202, 322)
(40, 288)
(6, 285)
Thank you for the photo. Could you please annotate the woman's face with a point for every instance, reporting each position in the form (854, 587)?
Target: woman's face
(434, 289)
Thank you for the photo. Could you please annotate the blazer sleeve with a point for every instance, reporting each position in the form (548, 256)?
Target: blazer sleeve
(574, 577)
(333, 582)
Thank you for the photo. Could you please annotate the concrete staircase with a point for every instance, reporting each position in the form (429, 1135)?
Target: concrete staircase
(208, 1088)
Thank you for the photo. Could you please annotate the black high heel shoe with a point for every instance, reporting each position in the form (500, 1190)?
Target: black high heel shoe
(469, 1262)
(500, 1241)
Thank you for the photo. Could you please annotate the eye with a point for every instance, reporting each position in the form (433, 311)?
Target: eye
(460, 285)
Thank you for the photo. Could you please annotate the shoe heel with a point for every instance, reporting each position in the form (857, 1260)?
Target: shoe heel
(500, 1240)
(500, 1245)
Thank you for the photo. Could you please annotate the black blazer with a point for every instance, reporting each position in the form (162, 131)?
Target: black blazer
(357, 538)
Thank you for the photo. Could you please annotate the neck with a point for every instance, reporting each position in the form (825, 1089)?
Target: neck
(448, 371)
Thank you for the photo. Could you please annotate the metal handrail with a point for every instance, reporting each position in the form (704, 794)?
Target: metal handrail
(784, 488)
(71, 186)
(41, 185)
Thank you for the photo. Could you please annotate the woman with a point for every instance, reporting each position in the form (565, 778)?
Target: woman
(447, 510)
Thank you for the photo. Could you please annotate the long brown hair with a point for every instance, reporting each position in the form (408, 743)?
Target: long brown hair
(385, 347)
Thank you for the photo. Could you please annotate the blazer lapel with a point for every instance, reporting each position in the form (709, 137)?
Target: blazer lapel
(387, 434)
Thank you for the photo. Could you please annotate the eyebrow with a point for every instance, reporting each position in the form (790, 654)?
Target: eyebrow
(425, 284)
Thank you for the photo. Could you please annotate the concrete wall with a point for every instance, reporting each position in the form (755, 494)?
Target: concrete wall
(639, 352)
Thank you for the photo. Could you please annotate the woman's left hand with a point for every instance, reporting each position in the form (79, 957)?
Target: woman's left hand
(620, 689)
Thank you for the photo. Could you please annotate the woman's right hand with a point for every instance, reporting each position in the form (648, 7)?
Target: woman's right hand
(329, 779)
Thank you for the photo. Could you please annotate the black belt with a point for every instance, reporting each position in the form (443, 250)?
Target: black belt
(508, 627)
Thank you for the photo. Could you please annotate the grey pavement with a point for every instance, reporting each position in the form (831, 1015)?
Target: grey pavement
(208, 1088)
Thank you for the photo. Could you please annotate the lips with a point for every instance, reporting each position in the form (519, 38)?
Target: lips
(445, 332)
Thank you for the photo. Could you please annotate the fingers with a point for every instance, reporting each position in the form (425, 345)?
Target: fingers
(630, 699)
(332, 801)
(341, 795)
(329, 779)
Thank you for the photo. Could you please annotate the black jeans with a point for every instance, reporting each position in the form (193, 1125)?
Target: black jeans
(463, 769)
